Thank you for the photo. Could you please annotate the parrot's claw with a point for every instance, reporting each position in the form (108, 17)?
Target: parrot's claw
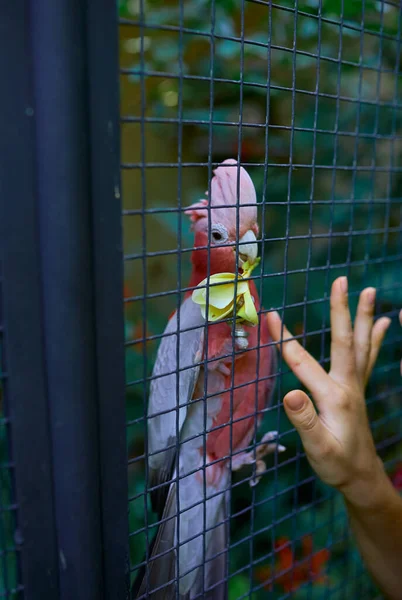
(266, 446)
(242, 459)
(260, 467)
(224, 370)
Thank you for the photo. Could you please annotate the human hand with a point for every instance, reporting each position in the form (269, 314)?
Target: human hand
(337, 439)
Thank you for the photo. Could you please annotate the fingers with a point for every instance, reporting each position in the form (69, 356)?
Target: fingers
(303, 416)
(362, 331)
(377, 336)
(342, 352)
(303, 365)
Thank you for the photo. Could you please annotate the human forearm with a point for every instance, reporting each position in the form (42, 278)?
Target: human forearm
(335, 429)
(376, 520)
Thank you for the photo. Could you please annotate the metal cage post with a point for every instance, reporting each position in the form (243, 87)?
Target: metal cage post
(103, 60)
(63, 297)
(62, 138)
(25, 384)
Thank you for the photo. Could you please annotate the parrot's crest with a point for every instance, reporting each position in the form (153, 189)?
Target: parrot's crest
(228, 191)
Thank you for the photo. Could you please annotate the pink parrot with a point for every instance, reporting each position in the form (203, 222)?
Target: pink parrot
(203, 403)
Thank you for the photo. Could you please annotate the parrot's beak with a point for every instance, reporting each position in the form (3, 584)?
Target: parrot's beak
(248, 248)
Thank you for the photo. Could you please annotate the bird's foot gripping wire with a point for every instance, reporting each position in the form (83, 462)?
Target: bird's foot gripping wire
(255, 457)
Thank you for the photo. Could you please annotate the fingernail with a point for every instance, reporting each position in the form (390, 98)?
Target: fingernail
(371, 295)
(344, 284)
(294, 402)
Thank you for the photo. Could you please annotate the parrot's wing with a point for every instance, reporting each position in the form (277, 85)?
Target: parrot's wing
(203, 533)
(158, 572)
(202, 488)
(215, 573)
(174, 377)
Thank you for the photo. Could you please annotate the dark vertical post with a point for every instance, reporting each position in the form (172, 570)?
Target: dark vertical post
(58, 31)
(103, 71)
(25, 384)
(61, 254)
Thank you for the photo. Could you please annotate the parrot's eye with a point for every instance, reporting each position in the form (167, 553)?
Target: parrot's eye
(219, 233)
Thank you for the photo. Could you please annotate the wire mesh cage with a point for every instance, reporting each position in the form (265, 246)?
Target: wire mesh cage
(305, 96)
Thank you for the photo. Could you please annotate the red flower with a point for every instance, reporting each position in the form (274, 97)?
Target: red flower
(396, 478)
(127, 292)
(290, 573)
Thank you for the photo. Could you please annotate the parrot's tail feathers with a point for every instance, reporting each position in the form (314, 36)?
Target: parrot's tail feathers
(161, 480)
(216, 562)
(159, 573)
(217, 567)
(138, 583)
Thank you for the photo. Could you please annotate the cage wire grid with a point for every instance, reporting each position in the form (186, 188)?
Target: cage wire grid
(339, 176)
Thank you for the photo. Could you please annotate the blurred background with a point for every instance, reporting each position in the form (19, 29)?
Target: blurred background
(308, 95)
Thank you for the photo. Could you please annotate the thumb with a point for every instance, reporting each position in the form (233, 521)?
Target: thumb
(303, 416)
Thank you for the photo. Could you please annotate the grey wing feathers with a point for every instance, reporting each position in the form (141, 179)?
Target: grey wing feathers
(159, 578)
(159, 573)
(167, 394)
(216, 561)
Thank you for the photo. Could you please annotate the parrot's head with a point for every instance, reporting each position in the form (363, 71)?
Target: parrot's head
(226, 223)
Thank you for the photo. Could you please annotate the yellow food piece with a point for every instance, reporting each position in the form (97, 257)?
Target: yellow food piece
(221, 294)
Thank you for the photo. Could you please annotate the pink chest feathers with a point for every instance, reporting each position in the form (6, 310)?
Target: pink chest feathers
(237, 389)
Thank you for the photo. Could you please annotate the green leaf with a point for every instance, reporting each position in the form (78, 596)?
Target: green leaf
(238, 586)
